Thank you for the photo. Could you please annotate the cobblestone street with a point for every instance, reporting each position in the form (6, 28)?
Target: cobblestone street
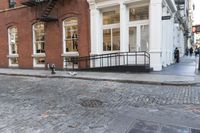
(56, 105)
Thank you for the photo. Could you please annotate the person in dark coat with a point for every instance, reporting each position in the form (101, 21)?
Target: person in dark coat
(191, 51)
(186, 51)
(176, 55)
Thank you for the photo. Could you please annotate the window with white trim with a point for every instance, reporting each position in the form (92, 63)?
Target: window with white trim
(38, 45)
(12, 46)
(70, 35)
(111, 30)
(70, 42)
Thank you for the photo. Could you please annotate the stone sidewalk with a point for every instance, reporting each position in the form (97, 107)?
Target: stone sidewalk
(143, 78)
(183, 73)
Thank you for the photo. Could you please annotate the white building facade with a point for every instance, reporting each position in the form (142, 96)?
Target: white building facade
(135, 25)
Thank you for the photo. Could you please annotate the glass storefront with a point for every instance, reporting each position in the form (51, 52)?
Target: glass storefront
(13, 39)
(71, 34)
(139, 28)
(111, 30)
(132, 39)
(139, 13)
(144, 43)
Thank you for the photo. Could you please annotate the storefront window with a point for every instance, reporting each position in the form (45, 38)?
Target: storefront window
(111, 31)
(111, 17)
(139, 13)
(144, 37)
(107, 40)
(132, 39)
(39, 45)
(13, 61)
(38, 30)
(71, 35)
(13, 40)
(12, 46)
(40, 60)
(70, 62)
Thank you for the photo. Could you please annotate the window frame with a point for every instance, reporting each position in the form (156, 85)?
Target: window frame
(12, 55)
(70, 54)
(36, 55)
(111, 27)
(64, 35)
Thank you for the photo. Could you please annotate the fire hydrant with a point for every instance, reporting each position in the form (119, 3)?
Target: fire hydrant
(52, 67)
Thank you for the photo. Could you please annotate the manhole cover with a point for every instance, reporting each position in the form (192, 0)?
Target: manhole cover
(92, 103)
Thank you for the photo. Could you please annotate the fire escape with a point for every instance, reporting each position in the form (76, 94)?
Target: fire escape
(43, 7)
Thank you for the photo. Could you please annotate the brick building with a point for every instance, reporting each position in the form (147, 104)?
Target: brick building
(34, 33)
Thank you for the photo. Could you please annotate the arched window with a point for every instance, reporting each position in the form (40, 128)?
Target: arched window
(70, 35)
(12, 46)
(38, 45)
(70, 41)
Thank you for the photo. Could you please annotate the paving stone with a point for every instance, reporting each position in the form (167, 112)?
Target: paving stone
(51, 105)
(143, 125)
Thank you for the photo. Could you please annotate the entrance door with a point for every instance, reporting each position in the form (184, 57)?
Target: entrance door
(132, 39)
(138, 37)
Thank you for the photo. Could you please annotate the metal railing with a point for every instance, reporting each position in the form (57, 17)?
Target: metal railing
(137, 58)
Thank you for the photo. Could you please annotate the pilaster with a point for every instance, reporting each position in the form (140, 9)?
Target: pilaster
(155, 34)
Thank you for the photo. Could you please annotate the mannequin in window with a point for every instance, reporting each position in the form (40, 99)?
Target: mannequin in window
(74, 41)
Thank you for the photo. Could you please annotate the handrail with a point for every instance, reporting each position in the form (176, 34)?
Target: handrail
(135, 58)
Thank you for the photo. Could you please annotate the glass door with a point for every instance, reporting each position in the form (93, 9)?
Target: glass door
(132, 39)
(139, 37)
(144, 37)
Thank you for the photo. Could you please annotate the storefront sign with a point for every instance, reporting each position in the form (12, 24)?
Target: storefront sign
(166, 17)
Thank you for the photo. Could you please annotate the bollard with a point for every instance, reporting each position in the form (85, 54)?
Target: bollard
(53, 69)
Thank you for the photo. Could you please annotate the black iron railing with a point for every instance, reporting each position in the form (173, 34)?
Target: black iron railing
(141, 58)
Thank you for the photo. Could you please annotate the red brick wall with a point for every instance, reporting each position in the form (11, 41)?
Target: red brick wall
(23, 18)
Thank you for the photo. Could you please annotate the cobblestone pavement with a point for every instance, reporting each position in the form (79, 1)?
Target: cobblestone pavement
(46, 105)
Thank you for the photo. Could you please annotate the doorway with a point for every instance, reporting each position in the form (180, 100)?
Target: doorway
(138, 36)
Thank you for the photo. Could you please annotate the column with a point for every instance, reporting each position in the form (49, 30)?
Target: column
(95, 31)
(155, 34)
(165, 35)
(124, 36)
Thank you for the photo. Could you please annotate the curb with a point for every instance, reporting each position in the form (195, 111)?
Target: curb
(180, 83)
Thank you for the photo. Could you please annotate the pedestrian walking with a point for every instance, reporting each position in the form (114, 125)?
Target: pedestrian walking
(191, 51)
(176, 55)
(186, 51)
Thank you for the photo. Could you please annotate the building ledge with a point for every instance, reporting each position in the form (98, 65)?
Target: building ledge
(11, 9)
(13, 56)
